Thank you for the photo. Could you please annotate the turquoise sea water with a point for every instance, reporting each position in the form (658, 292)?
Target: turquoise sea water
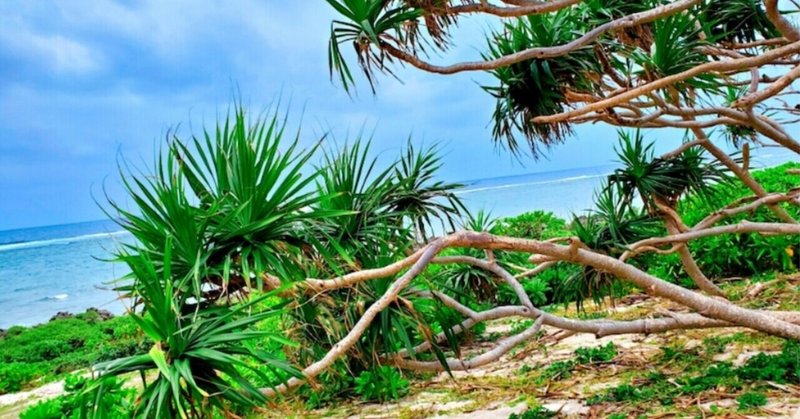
(46, 270)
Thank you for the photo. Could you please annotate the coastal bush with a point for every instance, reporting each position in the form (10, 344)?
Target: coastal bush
(535, 225)
(14, 376)
(110, 401)
(741, 255)
(381, 384)
(49, 350)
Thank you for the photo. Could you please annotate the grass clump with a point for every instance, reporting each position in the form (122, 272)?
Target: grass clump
(599, 354)
(583, 356)
(783, 367)
(538, 412)
(751, 400)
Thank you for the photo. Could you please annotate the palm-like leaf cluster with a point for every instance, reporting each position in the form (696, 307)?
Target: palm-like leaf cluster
(739, 20)
(196, 364)
(382, 212)
(233, 203)
(367, 24)
(537, 87)
(677, 47)
(666, 180)
(242, 209)
(618, 220)
(467, 283)
(737, 135)
(627, 56)
(609, 228)
(399, 204)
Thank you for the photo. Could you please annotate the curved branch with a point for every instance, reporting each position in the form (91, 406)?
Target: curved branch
(739, 228)
(320, 285)
(784, 26)
(732, 209)
(543, 52)
(523, 8)
(714, 66)
(494, 354)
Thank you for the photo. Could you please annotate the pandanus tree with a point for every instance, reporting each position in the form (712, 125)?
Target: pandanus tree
(714, 68)
(230, 224)
(238, 210)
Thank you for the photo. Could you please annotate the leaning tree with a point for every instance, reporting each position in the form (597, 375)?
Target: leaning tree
(234, 210)
(723, 70)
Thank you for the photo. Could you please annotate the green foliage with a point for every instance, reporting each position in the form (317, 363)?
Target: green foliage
(535, 225)
(538, 290)
(742, 255)
(598, 354)
(382, 384)
(49, 350)
(664, 180)
(751, 400)
(198, 353)
(419, 196)
(233, 203)
(367, 23)
(677, 47)
(583, 356)
(470, 284)
(716, 376)
(609, 229)
(372, 207)
(538, 412)
(738, 20)
(559, 369)
(109, 400)
(332, 385)
(782, 368)
(537, 87)
(701, 376)
(358, 195)
(13, 376)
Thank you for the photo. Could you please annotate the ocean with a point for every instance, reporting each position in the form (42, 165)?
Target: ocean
(66, 268)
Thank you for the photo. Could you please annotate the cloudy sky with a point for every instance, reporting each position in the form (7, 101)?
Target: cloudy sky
(83, 83)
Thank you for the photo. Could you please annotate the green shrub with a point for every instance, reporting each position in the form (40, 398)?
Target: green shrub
(382, 384)
(783, 367)
(110, 400)
(14, 376)
(64, 345)
(538, 412)
(738, 255)
(538, 290)
(15, 330)
(332, 384)
(537, 225)
(559, 369)
(599, 354)
(751, 399)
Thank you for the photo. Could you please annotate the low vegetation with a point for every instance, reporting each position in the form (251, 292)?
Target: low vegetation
(35, 355)
(51, 351)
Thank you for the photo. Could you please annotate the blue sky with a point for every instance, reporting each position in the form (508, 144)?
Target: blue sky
(83, 83)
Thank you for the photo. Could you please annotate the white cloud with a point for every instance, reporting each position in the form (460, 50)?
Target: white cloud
(57, 53)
